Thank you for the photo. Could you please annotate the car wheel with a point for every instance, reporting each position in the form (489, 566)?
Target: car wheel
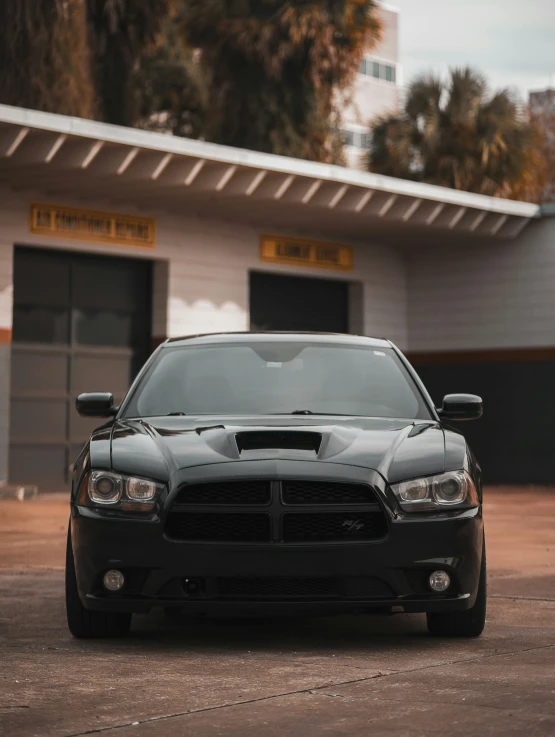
(82, 622)
(462, 624)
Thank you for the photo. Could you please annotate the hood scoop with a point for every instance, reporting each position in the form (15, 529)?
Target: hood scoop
(278, 440)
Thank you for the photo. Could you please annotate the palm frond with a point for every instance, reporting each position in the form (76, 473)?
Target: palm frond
(467, 89)
(424, 95)
(461, 136)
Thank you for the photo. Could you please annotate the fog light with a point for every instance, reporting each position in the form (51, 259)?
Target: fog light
(193, 586)
(439, 581)
(113, 580)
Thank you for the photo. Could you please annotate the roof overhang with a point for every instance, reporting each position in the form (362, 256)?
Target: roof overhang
(60, 155)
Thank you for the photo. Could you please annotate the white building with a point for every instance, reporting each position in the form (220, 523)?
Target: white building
(542, 109)
(376, 90)
(112, 239)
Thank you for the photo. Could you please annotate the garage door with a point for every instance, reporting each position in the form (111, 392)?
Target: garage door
(81, 323)
(298, 303)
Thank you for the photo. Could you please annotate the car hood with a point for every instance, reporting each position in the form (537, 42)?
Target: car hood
(158, 447)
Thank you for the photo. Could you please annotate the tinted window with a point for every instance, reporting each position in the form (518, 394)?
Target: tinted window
(102, 327)
(278, 377)
(40, 324)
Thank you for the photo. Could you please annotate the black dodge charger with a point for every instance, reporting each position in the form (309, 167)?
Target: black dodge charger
(275, 473)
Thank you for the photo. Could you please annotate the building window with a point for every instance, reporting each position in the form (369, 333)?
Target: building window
(366, 140)
(378, 70)
(348, 137)
(357, 139)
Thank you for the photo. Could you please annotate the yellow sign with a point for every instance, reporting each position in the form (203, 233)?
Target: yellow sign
(303, 252)
(89, 225)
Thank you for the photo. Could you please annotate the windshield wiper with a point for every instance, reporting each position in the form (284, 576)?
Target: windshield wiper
(174, 414)
(302, 412)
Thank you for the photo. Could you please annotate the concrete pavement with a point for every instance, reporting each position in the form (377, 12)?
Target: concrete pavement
(344, 676)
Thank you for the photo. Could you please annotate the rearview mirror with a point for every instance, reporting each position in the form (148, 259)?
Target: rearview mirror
(96, 404)
(461, 407)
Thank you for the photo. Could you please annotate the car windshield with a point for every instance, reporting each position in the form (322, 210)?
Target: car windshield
(277, 378)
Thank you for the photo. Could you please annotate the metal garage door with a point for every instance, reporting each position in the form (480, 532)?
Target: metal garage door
(81, 323)
(298, 303)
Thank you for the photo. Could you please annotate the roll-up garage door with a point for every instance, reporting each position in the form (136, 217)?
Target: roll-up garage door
(81, 323)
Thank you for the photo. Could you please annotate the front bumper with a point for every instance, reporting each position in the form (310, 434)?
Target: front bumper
(380, 574)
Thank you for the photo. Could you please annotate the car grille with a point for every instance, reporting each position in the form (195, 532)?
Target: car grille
(285, 439)
(229, 493)
(322, 492)
(263, 511)
(219, 527)
(329, 526)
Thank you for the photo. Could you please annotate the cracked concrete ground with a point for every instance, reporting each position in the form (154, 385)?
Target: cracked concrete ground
(343, 676)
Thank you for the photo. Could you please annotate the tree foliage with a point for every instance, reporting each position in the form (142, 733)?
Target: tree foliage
(169, 87)
(542, 118)
(119, 32)
(260, 74)
(275, 67)
(457, 135)
(44, 58)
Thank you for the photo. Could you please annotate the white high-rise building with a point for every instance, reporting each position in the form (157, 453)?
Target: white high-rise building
(376, 91)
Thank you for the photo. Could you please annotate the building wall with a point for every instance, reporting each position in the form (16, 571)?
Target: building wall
(202, 268)
(374, 97)
(371, 97)
(200, 279)
(209, 279)
(542, 110)
(484, 295)
(482, 320)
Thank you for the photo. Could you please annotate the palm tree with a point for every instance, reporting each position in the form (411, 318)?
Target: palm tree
(275, 67)
(457, 135)
(119, 31)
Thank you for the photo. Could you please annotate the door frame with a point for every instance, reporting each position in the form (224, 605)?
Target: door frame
(355, 294)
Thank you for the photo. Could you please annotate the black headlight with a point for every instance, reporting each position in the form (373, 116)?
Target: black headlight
(107, 489)
(454, 489)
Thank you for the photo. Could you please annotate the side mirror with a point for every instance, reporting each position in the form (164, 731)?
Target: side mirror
(96, 404)
(461, 407)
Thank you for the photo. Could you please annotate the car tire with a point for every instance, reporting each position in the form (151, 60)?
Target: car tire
(82, 622)
(463, 624)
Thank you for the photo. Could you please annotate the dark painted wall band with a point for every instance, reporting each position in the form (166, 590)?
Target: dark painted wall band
(495, 355)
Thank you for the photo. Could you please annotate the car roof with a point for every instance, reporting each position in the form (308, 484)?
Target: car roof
(271, 336)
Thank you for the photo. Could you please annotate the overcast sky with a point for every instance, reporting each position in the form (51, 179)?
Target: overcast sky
(511, 41)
